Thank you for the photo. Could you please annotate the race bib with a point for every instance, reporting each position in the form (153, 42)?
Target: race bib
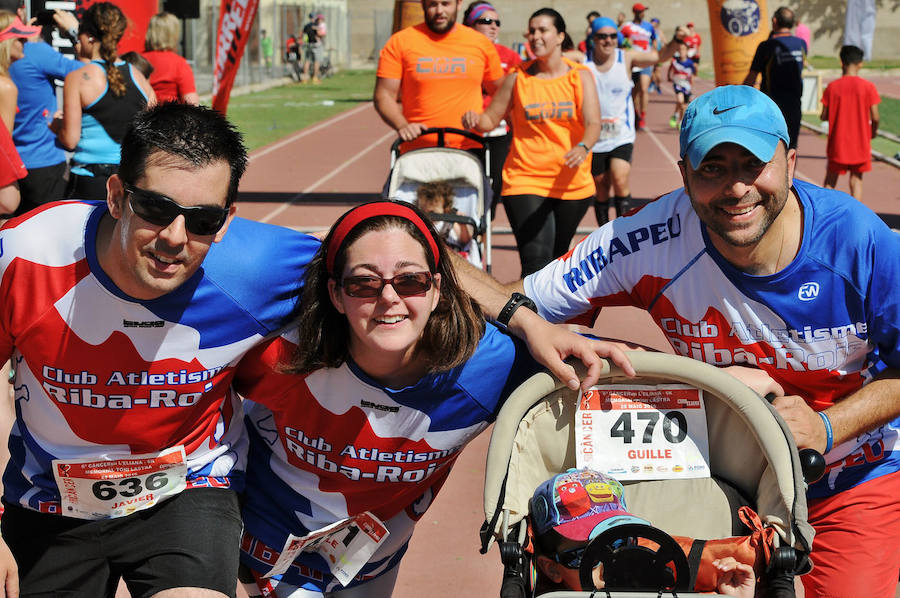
(610, 128)
(345, 545)
(635, 432)
(110, 488)
(681, 80)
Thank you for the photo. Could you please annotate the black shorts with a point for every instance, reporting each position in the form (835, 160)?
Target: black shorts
(601, 160)
(190, 540)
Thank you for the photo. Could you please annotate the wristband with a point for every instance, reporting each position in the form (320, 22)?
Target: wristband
(516, 301)
(829, 432)
(584, 145)
(72, 34)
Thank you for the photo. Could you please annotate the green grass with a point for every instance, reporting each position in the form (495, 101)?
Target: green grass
(833, 62)
(266, 116)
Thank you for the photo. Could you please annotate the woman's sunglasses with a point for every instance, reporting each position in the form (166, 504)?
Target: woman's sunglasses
(158, 209)
(405, 285)
(488, 21)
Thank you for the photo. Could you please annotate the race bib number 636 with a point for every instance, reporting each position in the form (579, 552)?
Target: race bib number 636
(633, 432)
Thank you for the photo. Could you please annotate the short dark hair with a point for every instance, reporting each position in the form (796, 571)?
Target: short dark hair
(851, 55)
(450, 337)
(784, 18)
(592, 15)
(558, 21)
(196, 134)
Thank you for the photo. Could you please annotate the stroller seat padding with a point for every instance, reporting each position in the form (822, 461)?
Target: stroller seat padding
(702, 508)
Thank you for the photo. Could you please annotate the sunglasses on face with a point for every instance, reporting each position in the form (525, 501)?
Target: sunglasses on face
(405, 285)
(488, 21)
(602, 36)
(158, 209)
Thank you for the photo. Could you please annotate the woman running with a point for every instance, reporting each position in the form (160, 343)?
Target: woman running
(99, 100)
(357, 417)
(555, 118)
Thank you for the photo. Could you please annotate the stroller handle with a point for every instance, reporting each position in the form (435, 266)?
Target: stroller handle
(441, 132)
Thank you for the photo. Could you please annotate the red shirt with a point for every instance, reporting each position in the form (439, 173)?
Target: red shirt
(849, 101)
(11, 167)
(172, 78)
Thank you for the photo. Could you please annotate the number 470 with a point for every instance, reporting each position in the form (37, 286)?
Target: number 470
(674, 426)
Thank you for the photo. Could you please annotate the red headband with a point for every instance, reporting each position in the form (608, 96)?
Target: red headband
(370, 210)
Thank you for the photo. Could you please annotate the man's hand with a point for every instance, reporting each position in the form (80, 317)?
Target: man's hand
(551, 344)
(757, 379)
(805, 424)
(470, 119)
(9, 571)
(410, 131)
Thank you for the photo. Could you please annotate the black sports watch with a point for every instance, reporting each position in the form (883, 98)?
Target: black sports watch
(516, 301)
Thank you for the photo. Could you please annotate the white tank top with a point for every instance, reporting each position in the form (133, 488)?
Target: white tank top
(617, 110)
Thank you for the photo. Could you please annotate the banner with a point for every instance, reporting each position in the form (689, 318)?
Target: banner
(736, 28)
(235, 19)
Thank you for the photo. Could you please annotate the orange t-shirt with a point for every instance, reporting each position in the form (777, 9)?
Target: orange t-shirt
(440, 76)
(546, 120)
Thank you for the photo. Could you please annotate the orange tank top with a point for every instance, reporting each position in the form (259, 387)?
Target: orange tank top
(547, 122)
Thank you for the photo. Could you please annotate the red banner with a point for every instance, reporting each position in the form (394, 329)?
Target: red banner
(138, 13)
(235, 19)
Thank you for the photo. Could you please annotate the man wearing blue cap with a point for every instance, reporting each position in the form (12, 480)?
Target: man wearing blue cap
(745, 266)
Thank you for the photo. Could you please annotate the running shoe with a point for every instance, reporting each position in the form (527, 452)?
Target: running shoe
(641, 122)
(673, 122)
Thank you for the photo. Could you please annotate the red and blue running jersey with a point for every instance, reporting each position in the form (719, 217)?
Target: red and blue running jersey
(640, 34)
(101, 375)
(821, 327)
(335, 443)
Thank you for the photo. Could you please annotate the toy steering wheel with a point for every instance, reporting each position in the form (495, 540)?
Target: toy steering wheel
(630, 566)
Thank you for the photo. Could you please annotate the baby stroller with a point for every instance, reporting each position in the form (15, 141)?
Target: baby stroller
(463, 170)
(752, 458)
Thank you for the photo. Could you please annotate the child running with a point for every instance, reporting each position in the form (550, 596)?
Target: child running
(681, 73)
(850, 105)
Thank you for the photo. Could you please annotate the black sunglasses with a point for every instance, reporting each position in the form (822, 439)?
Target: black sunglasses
(160, 210)
(405, 285)
(606, 35)
(488, 21)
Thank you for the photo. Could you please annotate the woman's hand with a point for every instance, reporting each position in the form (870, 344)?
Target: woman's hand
(470, 119)
(575, 156)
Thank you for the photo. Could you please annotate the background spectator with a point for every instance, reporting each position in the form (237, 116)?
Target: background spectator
(850, 105)
(99, 101)
(314, 49)
(12, 47)
(172, 78)
(37, 145)
(268, 50)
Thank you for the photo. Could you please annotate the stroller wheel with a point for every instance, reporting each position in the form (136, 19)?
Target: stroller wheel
(630, 563)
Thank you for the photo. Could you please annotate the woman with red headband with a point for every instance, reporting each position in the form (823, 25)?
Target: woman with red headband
(356, 417)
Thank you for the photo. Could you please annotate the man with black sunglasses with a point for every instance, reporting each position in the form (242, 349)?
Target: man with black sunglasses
(125, 319)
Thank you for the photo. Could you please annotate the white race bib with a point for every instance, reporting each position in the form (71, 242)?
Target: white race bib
(109, 488)
(633, 432)
(610, 128)
(345, 545)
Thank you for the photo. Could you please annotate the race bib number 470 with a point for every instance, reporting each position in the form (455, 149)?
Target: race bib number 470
(633, 432)
(108, 488)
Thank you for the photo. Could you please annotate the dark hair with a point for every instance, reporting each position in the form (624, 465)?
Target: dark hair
(558, 22)
(851, 55)
(429, 193)
(450, 337)
(138, 62)
(195, 134)
(784, 18)
(568, 44)
(592, 15)
(107, 23)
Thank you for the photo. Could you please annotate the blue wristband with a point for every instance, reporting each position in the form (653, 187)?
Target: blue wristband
(829, 433)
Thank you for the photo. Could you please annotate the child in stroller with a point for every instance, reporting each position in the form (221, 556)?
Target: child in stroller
(436, 199)
(572, 509)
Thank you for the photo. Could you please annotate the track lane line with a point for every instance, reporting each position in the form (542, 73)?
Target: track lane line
(294, 200)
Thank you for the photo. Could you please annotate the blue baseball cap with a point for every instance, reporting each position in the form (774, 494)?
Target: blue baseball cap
(732, 114)
(601, 22)
(579, 505)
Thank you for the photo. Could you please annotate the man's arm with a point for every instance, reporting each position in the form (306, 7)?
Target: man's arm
(873, 405)
(824, 115)
(387, 104)
(640, 58)
(750, 79)
(873, 116)
(550, 345)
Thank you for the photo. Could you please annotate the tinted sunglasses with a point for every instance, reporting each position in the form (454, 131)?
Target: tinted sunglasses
(570, 559)
(405, 285)
(606, 35)
(488, 21)
(158, 209)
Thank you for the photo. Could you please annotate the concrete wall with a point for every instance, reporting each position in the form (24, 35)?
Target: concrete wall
(370, 21)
